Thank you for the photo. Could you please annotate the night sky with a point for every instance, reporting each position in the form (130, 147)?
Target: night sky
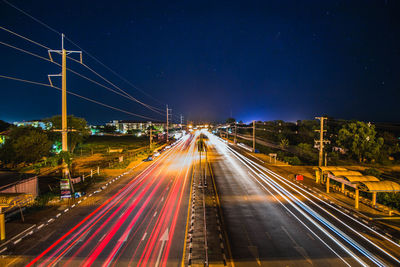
(261, 60)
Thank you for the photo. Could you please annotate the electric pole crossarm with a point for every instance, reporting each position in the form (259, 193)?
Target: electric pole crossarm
(53, 75)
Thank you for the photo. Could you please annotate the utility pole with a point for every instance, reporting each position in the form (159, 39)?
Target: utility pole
(167, 123)
(254, 136)
(181, 121)
(168, 114)
(151, 136)
(321, 140)
(235, 140)
(64, 129)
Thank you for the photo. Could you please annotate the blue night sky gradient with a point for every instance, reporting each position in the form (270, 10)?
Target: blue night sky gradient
(261, 60)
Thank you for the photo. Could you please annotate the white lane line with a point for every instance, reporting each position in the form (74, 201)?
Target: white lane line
(155, 213)
(17, 241)
(66, 210)
(102, 237)
(144, 236)
(58, 215)
(40, 226)
(50, 220)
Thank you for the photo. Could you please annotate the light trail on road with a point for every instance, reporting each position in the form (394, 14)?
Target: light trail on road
(287, 193)
(126, 229)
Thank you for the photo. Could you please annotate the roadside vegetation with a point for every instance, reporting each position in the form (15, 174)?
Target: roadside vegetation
(36, 150)
(350, 142)
(373, 148)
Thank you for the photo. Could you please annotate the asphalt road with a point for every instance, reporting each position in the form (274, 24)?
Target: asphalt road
(140, 224)
(271, 221)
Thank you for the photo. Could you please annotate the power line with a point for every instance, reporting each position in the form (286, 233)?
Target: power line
(27, 52)
(77, 95)
(128, 95)
(35, 19)
(23, 37)
(94, 58)
(76, 73)
(115, 73)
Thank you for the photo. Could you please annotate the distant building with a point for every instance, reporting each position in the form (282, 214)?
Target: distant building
(35, 123)
(123, 126)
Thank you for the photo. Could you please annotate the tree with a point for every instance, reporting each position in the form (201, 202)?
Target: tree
(284, 143)
(136, 132)
(359, 139)
(110, 129)
(77, 130)
(307, 152)
(25, 144)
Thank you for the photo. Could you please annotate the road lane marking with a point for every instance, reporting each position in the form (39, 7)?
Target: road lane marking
(144, 236)
(164, 238)
(155, 213)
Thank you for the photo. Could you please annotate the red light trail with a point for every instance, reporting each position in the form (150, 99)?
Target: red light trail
(150, 203)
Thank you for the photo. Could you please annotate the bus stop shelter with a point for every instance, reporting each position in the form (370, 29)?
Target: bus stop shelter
(9, 201)
(379, 187)
(320, 171)
(365, 183)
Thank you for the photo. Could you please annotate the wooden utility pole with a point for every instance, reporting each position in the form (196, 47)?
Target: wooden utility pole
(254, 136)
(235, 140)
(321, 140)
(167, 123)
(64, 128)
(181, 122)
(151, 136)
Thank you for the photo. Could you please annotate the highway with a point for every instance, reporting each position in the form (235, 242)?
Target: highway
(142, 224)
(267, 220)
(271, 221)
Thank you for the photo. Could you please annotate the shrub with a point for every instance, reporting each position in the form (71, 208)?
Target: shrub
(292, 160)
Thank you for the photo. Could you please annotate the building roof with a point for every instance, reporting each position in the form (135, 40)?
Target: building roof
(381, 186)
(331, 168)
(364, 178)
(9, 177)
(346, 173)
